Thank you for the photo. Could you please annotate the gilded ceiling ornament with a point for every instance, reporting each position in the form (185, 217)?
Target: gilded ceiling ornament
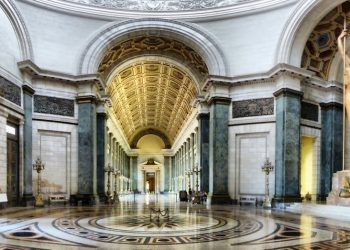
(149, 45)
(321, 46)
(152, 95)
(159, 5)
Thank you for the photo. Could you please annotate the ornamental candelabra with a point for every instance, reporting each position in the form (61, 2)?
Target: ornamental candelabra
(39, 166)
(116, 175)
(109, 169)
(267, 168)
(188, 173)
(196, 170)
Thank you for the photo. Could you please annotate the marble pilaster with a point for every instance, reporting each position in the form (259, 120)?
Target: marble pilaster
(331, 145)
(167, 166)
(218, 150)
(287, 154)
(203, 149)
(134, 173)
(101, 139)
(87, 146)
(28, 93)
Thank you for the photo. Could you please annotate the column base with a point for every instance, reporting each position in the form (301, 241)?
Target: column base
(27, 200)
(219, 199)
(102, 198)
(283, 201)
(83, 199)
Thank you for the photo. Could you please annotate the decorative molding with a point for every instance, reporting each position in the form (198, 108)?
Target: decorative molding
(20, 28)
(199, 39)
(253, 107)
(32, 69)
(10, 91)
(288, 92)
(160, 5)
(53, 105)
(239, 7)
(309, 111)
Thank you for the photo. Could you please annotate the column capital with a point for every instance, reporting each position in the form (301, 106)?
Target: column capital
(330, 105)
(288, 92)
(86, 99)
(219, 100)
(28, 89)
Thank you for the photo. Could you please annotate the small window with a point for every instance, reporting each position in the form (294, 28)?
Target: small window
(10, 129)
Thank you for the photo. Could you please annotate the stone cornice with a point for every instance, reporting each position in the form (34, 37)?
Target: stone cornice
(28, 89)
(32, 69)
(287, 92)
(329, 105)
(268, 76)
(232, 10)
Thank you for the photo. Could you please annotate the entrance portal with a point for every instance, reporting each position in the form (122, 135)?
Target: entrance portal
(12, 164)
(151, 181)
(308, 182)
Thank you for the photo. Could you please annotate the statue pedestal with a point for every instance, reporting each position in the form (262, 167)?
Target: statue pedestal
(337, 184)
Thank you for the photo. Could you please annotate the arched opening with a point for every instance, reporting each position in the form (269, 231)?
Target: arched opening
(152, 82)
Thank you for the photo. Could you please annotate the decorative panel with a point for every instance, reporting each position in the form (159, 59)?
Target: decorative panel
(253, 107)
(53, 105)
(252, 155)
(309, 111)
(10, 91)
(54, 148)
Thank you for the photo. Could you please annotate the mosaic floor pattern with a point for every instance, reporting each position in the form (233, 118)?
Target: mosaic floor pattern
(128, 225)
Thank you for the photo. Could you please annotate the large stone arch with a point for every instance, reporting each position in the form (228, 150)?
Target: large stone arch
(152, 131)
(10, 9)
(200, 40)
(302, 21)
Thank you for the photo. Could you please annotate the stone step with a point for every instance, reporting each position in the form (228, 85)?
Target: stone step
(321, 210)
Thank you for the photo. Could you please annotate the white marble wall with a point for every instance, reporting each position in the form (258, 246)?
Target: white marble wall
(3, 152)
(249, 146)
(57, 145)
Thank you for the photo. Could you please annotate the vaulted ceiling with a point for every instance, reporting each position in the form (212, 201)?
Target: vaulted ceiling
(152, 95)
(321, 46)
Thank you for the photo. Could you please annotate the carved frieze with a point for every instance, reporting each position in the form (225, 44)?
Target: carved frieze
(253, 107)
(309, 111)
(10, 91)
(159, 5)
(53, 105)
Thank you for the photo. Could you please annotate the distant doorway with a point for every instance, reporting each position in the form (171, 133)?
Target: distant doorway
(151, 180)
(12, 164)
(308, 167)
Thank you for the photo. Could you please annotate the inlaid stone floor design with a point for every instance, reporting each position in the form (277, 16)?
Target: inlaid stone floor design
(127, 225)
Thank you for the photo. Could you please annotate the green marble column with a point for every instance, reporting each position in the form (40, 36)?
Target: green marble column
(218, 150)
(287, 154)
(87, 146)
(203, 149)
(331, 145)
(28, 93)
(101, 140)
(166, 173)
(134, 173)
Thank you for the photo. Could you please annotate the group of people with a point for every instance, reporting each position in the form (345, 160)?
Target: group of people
(191, 195)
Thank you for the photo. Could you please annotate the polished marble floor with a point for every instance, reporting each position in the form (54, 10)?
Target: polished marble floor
(129, 225)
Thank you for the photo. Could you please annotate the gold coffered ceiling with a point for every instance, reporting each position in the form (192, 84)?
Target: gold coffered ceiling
(152, 95)
(152, 45)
